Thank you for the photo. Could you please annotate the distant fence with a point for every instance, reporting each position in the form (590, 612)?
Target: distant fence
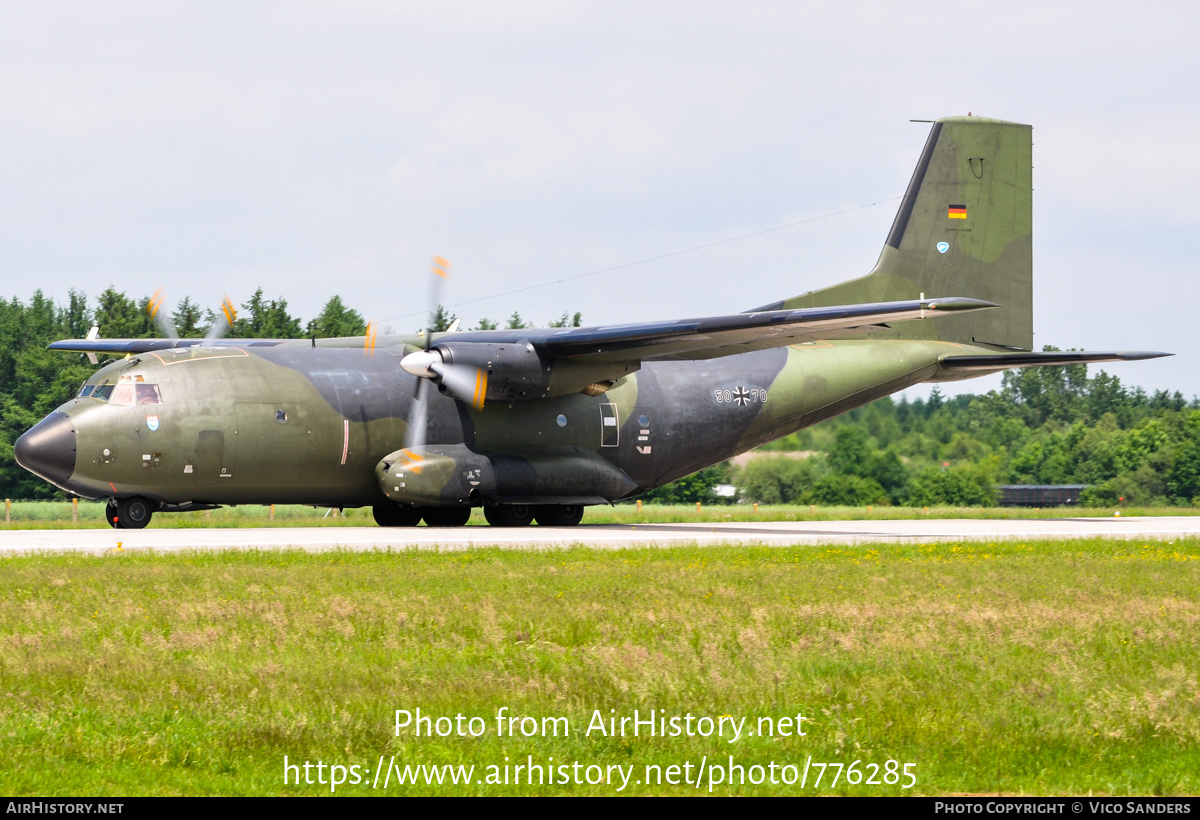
(1040, 495)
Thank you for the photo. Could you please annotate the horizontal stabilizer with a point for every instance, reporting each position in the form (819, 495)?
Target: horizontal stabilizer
(1002, 361)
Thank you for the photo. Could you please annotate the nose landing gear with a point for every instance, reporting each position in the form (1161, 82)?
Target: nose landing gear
(128, 513)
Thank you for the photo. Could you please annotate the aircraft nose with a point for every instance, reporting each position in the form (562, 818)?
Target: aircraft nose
(48, 448)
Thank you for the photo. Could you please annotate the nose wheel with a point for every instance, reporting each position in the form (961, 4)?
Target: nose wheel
(128, 513)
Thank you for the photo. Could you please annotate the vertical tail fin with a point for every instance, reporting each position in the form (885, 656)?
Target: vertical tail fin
(964, 228)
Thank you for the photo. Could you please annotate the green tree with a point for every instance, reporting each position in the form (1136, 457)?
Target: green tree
(188, 319)
(77, 319)
(1183, 483)
(119, 317)
(336, 320)
(441, 319)
(33, 380)
(778, 479)
(262, 318)
(567, 321)
(692, 488)
(851, 452)
(965, 486)
(842, 490)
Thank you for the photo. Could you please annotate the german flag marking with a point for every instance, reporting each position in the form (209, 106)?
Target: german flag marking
(957, 212)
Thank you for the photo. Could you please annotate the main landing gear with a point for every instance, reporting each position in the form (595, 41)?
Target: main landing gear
(522, 515)
(498, 515)
(128, 513)
(394, 515)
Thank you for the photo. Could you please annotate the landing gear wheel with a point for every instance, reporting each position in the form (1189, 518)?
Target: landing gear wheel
(110, 512)
(559, 515)
(446, 516)
(134, 513)
(393, 515)
(509, 515)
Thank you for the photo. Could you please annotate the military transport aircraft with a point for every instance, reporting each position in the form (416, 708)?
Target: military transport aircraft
(538, 424)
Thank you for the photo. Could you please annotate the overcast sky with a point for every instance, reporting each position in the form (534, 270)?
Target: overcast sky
(322, 148)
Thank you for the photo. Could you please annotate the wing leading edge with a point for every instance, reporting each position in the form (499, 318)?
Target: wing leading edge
(123, 346)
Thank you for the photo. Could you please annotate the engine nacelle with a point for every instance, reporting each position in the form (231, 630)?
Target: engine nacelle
(453, 474)
(476, 372)
(514, 372)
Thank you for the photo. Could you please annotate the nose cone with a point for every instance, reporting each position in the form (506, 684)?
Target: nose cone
(48, 448)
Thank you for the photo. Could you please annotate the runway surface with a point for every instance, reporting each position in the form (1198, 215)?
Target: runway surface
(600, 536)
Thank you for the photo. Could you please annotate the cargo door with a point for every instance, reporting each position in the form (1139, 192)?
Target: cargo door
(272, 442)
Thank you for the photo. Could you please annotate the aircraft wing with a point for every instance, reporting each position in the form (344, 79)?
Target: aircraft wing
(715, 336)
(123, 346)
(703, 338)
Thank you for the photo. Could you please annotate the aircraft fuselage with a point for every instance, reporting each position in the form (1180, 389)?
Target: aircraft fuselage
(311, 425)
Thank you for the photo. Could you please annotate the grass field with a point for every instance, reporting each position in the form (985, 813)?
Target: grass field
(1008, 668)
(60, 515)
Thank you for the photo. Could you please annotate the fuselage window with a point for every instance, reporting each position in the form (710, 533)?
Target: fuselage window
(102, 392)
(85, 391)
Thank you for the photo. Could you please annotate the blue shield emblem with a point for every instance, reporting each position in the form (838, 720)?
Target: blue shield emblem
(943, 247)
(152, 423)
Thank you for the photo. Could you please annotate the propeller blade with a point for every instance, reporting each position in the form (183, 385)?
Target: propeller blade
(441, 272)
(418, 364)
(220, 328)
(414, 436)
(160, 316)
(369, 339)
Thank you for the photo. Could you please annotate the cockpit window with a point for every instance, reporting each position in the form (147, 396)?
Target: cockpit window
(127, 392)
(123, 394)
(148, 394)
(85, 391)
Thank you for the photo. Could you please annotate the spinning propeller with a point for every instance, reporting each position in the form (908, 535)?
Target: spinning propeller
(462, 381)
(167, 327)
